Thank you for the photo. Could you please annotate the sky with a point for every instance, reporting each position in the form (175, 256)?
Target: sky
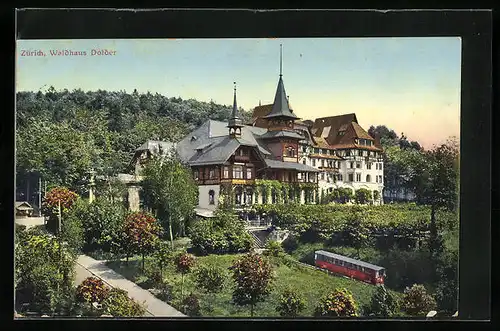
(411, 85)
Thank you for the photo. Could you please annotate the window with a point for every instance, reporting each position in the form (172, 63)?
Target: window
(238, 172)
(196, 174)
(347, 152)
(340, 177)
(304, 161)
(323, 163)
(316, 150)
(352, 165)
(248, 198)
(211, 174)
(304, 149)
(322, 176)
(314, 162)
(238, 192)
(320, 151)
(358, 177)
(380, 180)
(368, 165)
(360, 153)
(291, 152)
(376, 179)
(211, 197)
(351, 177)
(249, 173)
(380, 166)
(376, 166)
(358, 165)
(368, 178)
(226, 172)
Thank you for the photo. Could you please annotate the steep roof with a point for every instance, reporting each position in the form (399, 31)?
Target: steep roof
(331, 124)
(281, 108)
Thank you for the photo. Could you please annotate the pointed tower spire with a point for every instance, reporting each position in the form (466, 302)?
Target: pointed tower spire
(234, 123)
(281, 109)
(281, 60)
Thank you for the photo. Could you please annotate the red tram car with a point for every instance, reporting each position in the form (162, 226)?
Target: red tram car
(356, 269)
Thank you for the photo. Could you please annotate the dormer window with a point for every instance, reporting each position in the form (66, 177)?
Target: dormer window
(291, 152)
(193, 138)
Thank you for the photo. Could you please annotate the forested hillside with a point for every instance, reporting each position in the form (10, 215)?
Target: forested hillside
(62, 134)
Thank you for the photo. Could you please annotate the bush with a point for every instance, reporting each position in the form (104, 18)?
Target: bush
(339, 303)
(91, 290)
(416, 301)
(44, 272)
(191, 305)
(363, 196)
(118, 304)
(102, 223)
(382, 304)
(223, 234)
(273, 248)
(290, 304)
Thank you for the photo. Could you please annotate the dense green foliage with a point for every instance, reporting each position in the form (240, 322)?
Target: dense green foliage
(339, 303)
(170, 190)
(102, 221)
(291, 304)
(326, 222)
(62, 134)
(118, 304)
(253, 276)
(363, 196)
(92, 289)
(273, 248)
(44, 273)
(222, 234)
(383, 304)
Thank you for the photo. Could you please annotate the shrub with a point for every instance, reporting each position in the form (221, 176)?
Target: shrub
(253, 276)
(102, 223)
(363, 196)
(290, 304)
(211, 279)
(339, 303)
(416, 301)
(91, 290)
(223, 234)
(117, 303)
(274, 248)
(191, 305)
(382, 304)
(44, 272)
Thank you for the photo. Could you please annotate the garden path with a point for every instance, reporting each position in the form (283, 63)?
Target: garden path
(87, 266)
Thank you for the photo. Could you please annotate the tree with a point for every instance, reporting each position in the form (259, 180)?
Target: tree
(416, 301)
(211, 279)
(102, 223)
(290, 304)
(339, 303)
(363, 196)
(184, 263)
(253, 276)
(161, 256)
(57, 197)
(169, 187)
(376, 195)
(382, 304)
(142, 231)
(273, 248)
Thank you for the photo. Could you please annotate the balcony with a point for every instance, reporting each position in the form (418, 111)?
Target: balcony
(238, 181)
(241, 158)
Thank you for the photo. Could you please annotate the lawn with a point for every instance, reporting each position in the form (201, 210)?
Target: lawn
(312, 284)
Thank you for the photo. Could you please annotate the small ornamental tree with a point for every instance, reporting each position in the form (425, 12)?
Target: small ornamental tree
(253, 276)
(142, 232)
(91, 290)
(191, 305)
(290, 304)
(363, 196)
(416, 301)
(339, 303)
(161, 256)
(382, 304)
(50, 207)
(118, 304)
(184, 263)
(211, 279)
